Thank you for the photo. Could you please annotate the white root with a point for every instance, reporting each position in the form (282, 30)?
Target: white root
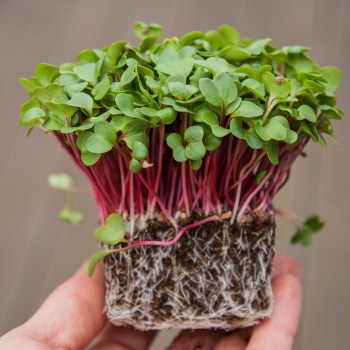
(226, 278)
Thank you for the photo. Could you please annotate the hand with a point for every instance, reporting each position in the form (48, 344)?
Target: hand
(72, 318)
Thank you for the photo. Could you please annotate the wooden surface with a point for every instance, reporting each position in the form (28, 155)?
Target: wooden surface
(38, 251)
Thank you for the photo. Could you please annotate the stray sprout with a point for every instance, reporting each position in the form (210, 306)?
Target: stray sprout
(207, 122)
(65, 182)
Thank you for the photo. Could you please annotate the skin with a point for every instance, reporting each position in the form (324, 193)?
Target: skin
(71, 318)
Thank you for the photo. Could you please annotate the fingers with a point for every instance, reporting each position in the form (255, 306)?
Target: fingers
(285, 264)
(120, 338)
(278, 332)
(203, 339)
(234, 341)
(73, 314)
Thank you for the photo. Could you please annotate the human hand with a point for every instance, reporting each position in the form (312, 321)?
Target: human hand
(72, 318)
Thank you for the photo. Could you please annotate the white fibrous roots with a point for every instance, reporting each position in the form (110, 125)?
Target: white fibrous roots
(215, 276)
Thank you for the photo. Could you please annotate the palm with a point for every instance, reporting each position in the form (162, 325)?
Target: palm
(72, 318)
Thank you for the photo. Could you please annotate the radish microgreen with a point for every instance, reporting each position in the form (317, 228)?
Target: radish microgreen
(206, 122)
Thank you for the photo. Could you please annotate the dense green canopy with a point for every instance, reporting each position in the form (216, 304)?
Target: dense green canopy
(220, 83)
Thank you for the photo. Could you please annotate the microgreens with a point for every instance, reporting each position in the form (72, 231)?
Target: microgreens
(207, 121)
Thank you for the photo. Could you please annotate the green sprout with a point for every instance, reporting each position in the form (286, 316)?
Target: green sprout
(65, 182)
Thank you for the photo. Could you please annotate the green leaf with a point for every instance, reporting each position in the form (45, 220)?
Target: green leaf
(254, 74)
(313, 223)
(96, 258)
(86, 56)
(33, 113)
(100, 90)
(211, 119)
(273, 152)
(302, 236)
(296, 49)
(115, 50)
(253, 139)
(174, 140)
(86, 72)
(300, 63)
(177, 78)
(273, 130)
(219, 92)
(292, 111)
(46, 73)
(167, 115)
(179, 154)
(306, 112)
(276, 130)
(135, 166)
(147, 43)
(248, 110)
(211, 142)
(309, 129)
(105, 130)
(210, 92)
(193, 134)
(281, 120)
(236, 128)
(189, 38)
(311, 85)
(89, 158)
(257, 47)
(125, 103)
(30, 84)
(229, 34)
(135, 127)
(327, 128)
(227, 88)
(97, 144)
(128, 76)
(112, 232)
(60, 181)
(142, 30)
(183, 66)
(234, 55)
(255, 87)
(61, 109)
(50, 93)
(139, 151)
(332, 113)
(233, 106)
(275, 89)
(102, 117)
(76, 88)
(83, 101)
(195, 150)
(195, 164)
(215, 65)
(333, 77)
(53, 123)
(291, 136)
(168, 101)
(119, 122)
(181, 91)
(82, 139)
(70, 216)
(261, 176)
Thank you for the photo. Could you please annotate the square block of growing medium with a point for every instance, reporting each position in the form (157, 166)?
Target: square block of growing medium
(185, 143)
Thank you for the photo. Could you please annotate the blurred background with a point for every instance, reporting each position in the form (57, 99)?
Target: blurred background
(38, 251)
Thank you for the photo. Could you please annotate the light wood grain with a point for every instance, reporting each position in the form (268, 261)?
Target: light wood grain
(38, 251)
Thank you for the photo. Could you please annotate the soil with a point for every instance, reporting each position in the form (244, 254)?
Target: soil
(216, 274)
